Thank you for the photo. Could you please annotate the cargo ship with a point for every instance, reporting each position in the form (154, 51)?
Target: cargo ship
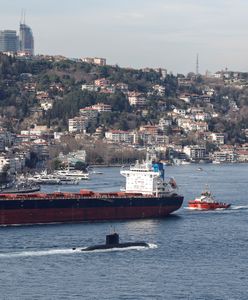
(147, 194)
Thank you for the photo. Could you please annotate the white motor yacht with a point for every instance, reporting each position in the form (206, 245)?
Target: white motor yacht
(73, 173)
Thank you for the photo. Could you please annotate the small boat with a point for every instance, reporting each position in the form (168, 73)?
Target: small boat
(44, 178)
(215, 162)
(199, 169)
(73, 174)
(97, 172)
(185, 162)
(65, 180)
(112, 241)
(206, 202)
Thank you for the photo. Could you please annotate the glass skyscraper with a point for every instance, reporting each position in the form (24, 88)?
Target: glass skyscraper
(8, 41)
(26, 39)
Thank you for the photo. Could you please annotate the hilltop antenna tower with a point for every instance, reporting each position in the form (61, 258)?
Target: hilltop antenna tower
(197, 64)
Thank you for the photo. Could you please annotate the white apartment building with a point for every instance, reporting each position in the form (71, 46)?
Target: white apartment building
(159, 89)
(201, 116)
(195, 152)
(224, 157)
(89, 112)
(136, 99)
(164, 123)
(38, 130)
(242, 156)
(46, 104)
(101, 107)
(119, 136)
(4, 163)
(218, 138)
(95, 60)
(78, 124)
(185, 97)
(89, 87)
(101, 82)
(180, 111)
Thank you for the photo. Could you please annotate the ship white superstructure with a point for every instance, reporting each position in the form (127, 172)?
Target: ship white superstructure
(148, 178)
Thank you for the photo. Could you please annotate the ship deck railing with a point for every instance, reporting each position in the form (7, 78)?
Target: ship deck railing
(54, 196)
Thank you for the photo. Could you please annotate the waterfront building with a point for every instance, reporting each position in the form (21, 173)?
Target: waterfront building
(8, 41)
(224, 157)
(242, 155)
(195, 152)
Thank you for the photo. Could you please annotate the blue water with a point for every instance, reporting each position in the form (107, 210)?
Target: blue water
(193, 255)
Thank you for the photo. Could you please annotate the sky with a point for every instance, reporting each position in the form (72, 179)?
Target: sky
(139, 33)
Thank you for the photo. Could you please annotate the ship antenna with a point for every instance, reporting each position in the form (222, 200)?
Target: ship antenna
(112, 229)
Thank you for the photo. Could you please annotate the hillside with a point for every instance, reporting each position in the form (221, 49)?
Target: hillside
(26, 84)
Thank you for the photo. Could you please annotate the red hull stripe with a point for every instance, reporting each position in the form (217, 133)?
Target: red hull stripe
(60, 215)
(208, 206)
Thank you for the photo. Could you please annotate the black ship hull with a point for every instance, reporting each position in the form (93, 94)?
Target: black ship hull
(28, 209)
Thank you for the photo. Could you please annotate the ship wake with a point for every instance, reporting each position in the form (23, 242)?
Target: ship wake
(231, 209)
(238, 207)
(70, 251)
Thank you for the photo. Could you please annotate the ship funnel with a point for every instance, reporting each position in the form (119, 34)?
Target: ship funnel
(159, 167)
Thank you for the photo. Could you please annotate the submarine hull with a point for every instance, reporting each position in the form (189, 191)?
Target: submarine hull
(120, 245)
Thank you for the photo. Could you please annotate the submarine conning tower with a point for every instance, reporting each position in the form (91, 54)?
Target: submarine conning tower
(112, 239)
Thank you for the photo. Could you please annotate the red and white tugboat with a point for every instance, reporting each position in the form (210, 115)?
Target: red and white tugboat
(206, 202)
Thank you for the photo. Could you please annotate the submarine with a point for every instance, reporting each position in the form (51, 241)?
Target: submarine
(112, 241)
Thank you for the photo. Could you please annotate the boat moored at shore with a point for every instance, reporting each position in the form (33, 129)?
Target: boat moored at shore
(52, 179)
(72, 174)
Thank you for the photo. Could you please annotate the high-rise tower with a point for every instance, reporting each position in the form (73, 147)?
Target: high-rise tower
(8, 41)
(26, 38)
